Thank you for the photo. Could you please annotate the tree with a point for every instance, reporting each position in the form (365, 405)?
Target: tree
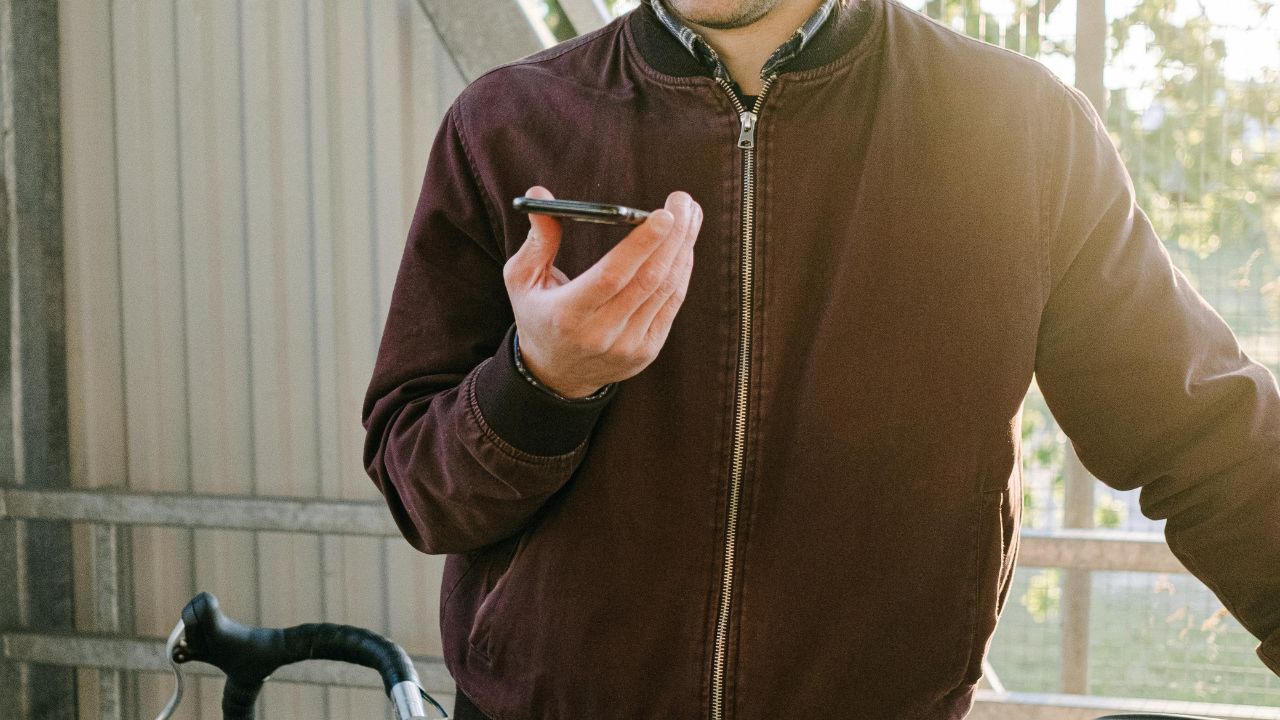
(1204, 153)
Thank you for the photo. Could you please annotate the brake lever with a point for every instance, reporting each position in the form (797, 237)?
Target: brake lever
(174, 649)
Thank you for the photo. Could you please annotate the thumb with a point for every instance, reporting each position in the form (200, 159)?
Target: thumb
(534, 258)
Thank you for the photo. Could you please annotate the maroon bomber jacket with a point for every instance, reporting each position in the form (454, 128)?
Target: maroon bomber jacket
(808, 505)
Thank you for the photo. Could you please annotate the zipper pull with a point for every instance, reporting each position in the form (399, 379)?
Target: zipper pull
(747, 135)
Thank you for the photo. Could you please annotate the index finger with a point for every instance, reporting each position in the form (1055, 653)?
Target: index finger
(616, 269)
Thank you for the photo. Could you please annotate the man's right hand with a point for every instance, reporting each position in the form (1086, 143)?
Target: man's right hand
(608, 323)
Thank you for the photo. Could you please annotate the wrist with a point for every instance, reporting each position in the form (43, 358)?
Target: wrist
(559, 391)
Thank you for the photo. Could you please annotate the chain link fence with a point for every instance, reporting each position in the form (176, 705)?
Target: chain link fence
(1194, 106)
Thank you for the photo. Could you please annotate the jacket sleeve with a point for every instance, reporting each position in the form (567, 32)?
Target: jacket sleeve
(1150, 384)
(462, 447)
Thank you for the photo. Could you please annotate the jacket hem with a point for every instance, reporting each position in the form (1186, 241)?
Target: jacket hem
(489, 714)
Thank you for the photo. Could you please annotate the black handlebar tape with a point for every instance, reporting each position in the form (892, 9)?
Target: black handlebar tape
(249, 655)
(238, 699)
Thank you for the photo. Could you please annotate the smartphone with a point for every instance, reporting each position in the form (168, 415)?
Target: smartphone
(579, 210)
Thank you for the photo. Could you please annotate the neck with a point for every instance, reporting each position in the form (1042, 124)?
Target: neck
(745, 49)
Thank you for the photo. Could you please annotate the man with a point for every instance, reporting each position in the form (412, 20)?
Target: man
(775, 472)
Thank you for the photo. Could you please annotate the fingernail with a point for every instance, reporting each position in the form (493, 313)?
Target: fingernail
(661, 220)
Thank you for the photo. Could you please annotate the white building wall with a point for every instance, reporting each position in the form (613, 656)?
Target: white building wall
(239, 177)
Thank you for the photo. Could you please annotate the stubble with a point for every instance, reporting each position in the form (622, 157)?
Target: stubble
(722, 14)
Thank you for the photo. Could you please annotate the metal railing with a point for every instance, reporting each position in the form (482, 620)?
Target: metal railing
(1082, 549)
(106, 510)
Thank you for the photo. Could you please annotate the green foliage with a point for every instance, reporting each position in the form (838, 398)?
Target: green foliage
(1019, 31)
(1109, 512)
(1043, 455)
(1202, 147)
(1198, 118)
(1043, 597)
(557, 22)
(1203, 150)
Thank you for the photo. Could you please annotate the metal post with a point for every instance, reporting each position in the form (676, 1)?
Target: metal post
(36, 449)
(11, 599)
(990, 29)
(1091, 50)
(1077, 583)
(480, 34)
(104, 559)
(585, 15)
(1033, 19)
(972, 18)
(12, 687)
(1013, 33)
(1091, 58)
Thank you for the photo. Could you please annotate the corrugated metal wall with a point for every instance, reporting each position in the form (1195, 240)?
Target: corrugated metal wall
(239, 179)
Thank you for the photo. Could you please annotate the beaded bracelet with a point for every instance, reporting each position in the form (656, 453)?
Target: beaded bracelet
(524, 371)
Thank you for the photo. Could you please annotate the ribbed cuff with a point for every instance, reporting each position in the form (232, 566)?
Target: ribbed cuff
(529, 418)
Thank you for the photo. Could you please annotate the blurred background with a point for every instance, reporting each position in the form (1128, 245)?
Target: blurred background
(206, 203)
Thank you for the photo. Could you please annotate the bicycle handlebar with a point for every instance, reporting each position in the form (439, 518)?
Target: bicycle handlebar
(1153, 716)
(249, 655)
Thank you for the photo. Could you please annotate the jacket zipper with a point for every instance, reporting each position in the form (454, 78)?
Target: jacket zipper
(747, 141)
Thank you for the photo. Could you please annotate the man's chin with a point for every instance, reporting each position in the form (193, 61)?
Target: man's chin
(724, 15)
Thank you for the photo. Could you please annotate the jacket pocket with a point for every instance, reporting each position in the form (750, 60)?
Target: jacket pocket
(996, 553)
(490, 609)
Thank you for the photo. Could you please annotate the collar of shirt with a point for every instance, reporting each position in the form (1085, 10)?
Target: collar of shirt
(701, 50)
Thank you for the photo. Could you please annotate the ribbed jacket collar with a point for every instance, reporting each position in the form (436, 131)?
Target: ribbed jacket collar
(702, 50)
(841, 30)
